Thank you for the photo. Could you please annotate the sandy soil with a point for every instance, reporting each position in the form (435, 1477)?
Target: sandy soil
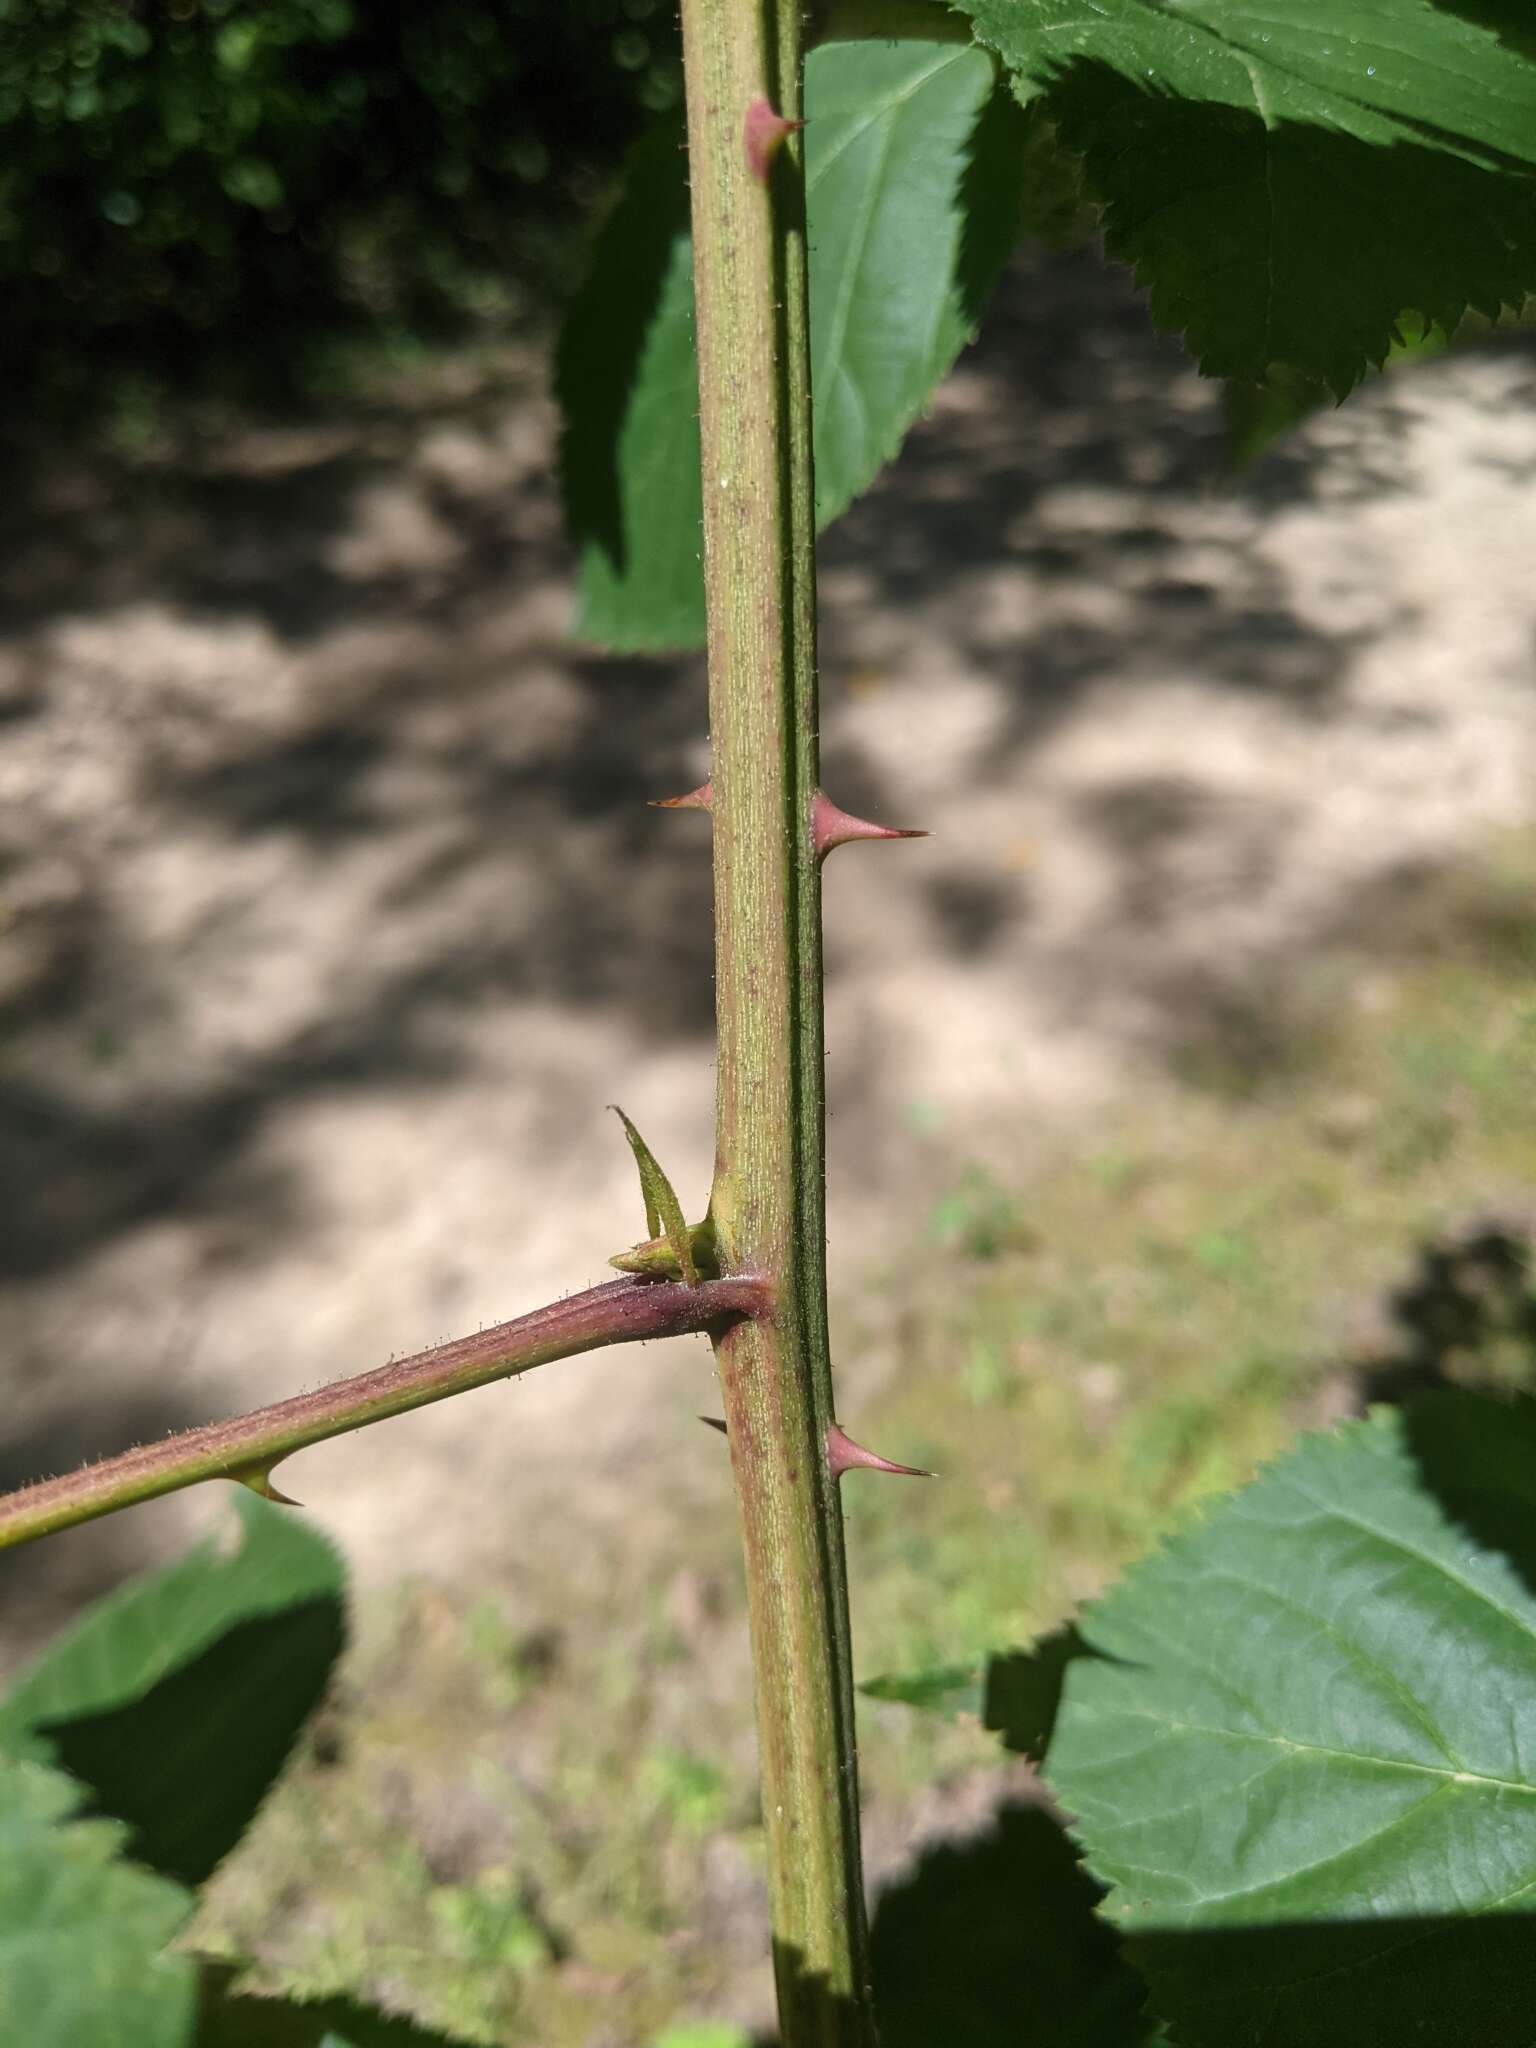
(332, 914)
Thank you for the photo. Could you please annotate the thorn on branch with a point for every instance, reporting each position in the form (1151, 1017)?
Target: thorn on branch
(832, 826)
(700, 799)
(259, 1479)
(844, 1455)
(764, 133)
(714, 1422)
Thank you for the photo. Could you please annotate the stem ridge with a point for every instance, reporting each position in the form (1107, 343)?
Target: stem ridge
(767, 1200)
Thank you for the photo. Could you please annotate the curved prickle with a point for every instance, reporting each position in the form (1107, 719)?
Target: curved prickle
(764, 132)
(700, 799)
(844, 1455)
(832, 826)
(259, 1479)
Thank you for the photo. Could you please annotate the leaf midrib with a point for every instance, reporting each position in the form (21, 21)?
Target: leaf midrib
(886, 110)
(1291, 1744)
(1203, 1900)
(1247, 57)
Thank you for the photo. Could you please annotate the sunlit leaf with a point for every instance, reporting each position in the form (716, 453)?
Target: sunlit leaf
(83, 1934)
(914, 187)
(230, 2020)
(1302, 1751)
(1287, 182)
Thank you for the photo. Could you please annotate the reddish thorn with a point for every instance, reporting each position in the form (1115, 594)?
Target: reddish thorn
(764, 135)
(714, 1422)
(832, 826)
(843, 1454)
(700, 799)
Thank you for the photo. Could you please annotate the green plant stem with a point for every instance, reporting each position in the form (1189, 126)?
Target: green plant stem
(755, 414)
(249, 1446)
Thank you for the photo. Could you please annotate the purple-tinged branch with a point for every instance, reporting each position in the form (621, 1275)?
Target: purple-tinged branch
(247, 1447)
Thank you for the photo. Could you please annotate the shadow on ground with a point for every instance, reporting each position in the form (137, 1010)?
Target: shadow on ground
(995, 1941)
(344, 640)
(316, 825)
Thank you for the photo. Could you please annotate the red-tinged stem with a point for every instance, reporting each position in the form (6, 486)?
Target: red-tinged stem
(248, 1446)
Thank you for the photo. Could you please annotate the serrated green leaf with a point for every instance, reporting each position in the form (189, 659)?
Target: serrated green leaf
(1016, 1694)
(83, 1934)
(663, 1211)
(1258, 415)
(1374, 69)
(1510, 19)
(177, 1699)
(231, 2020)
(1288, 182)
(913, 193)
(629, 391)
(1303, 1755)
(913, 199)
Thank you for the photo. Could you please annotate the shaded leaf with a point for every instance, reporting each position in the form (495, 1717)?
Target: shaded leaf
(954, 1691)
(629, 392)
(1016, 1693)
(992, 1942)
(230, 2020)
(1303, 1756)
(913, 194)
(1374, 69)
(1511, 19)
(1023, 1695)
(177, 1699)
(83, 1934)
(1258, 415)
(1288, 182)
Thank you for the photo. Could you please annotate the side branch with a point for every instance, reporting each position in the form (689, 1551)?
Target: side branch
(247, 1447)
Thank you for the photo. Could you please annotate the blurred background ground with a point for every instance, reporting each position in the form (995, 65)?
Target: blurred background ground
(1181, 1084)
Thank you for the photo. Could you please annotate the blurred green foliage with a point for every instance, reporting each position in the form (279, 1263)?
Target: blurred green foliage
(222, 195)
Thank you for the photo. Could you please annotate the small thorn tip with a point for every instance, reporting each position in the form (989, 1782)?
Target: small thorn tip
(764, 133)
(844, 1455)
(714, 1422)
(832, 826)
(259, 1479)
(700, 799)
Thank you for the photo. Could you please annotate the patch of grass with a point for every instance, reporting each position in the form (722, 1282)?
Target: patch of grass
(518, 1837)
(548, 1835)
(1228, 1265)
(979, 1218)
